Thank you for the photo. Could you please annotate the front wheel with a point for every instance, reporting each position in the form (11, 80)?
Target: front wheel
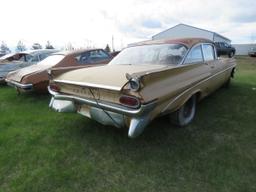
(231, 54)
(185, 115)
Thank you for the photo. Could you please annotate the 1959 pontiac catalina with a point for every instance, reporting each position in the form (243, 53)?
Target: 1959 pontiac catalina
(35, 78)
(144, 81)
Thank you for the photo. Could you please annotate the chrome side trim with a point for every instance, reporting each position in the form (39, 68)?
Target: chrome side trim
(115, 88)
(19, 85)
(181, 94)
(105, 105)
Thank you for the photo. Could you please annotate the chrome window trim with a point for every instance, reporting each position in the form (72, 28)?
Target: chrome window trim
(189, 51)
(214, 55)
(193, 47)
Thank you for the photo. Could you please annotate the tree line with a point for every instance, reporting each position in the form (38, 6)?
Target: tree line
(4, 49)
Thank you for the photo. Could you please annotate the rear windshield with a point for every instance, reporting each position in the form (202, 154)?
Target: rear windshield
(51, 60)
(164, 54)
(16, 57)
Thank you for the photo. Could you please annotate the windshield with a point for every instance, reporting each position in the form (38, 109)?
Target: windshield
(51, 60)
(163, 54)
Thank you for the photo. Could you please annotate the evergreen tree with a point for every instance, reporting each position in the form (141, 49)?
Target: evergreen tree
(107, 49)
(36, 46)
(20, 46)
(4, 49)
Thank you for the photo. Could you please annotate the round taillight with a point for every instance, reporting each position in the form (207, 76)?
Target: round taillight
(129, 101)
(54, 87)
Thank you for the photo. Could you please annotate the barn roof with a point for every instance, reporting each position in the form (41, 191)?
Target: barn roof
(191, 27)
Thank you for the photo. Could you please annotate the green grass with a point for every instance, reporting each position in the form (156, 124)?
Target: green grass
(41, 150)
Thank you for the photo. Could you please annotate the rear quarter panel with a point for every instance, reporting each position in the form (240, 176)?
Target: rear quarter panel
(173, 87)
(170, 83)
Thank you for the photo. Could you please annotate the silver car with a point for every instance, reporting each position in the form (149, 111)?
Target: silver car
(15, 61)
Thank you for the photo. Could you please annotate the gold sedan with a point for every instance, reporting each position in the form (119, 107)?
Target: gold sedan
(144, 81)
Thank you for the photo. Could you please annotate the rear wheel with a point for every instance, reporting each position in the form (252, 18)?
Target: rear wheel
(185, 115)
(227, 83)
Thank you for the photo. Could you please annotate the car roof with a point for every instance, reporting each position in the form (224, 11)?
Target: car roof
(75, 52)
(28, 52)
(188, 42)
(39, 51)
(7, 56)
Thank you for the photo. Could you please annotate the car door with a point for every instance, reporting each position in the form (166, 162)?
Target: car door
(199, 71)
(216, 66)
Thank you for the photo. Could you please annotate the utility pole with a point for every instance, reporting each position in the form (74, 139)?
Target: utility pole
(113, 49)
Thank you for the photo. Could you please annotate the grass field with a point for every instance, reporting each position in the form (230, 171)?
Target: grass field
(41, 150)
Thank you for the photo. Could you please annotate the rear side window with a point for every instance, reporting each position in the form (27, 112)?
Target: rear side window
(43, 56)
(90, 57)
(208, 51)
(32, 58)
(98, 55)
(195, 55)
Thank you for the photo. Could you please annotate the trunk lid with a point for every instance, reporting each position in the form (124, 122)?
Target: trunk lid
(8, 67)
(19, 74)
(112, 77)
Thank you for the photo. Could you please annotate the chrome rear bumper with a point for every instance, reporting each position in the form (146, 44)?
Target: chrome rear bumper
(2, 80)
(23, 87)
(139, 118)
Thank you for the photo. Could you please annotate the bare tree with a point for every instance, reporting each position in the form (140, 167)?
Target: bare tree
(48, 45)
(69, 47)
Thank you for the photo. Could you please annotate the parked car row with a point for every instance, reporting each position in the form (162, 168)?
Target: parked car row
(252, 52)
(224, 48)
(35, 77)
(15, 61)
(144, 81)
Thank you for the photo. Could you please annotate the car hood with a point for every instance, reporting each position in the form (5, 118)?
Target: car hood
(108, 76)
(19, 74)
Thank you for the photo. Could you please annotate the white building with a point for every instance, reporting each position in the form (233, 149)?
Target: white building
(183, 31)
(242, 49)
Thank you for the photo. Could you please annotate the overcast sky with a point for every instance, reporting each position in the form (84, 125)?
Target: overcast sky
(94, 22)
